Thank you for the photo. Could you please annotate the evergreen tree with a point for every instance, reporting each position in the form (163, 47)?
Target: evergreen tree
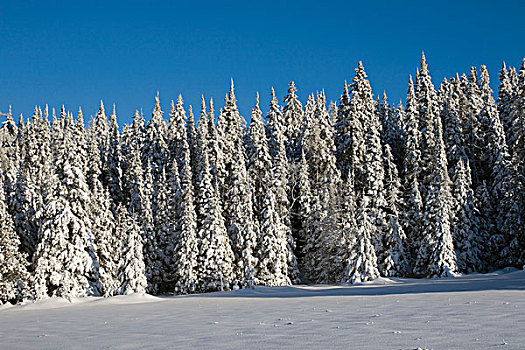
(301, 204)
(276, 133)
(272, 251)
(292, 117)
(369, 171)
(216, 155)
(178, 135)
(113, 167)
(436, 256)
(506, 96)
(468, 236)
(392, 260)
(238, 206)
(361, 262)
(349, 136)
(14, 277)
(155, 148)
(186, 250)
(215, 263)
(65, 261)
(131, 268)
(506, 188)
(23, 214)
(318, 144)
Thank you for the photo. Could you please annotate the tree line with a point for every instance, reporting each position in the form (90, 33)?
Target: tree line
(343, 193)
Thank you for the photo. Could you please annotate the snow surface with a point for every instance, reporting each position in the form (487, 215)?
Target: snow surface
(480, 311)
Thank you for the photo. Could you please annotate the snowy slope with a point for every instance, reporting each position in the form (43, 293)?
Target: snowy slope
(470, 312)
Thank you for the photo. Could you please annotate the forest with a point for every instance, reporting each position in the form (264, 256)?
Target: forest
(313, 193)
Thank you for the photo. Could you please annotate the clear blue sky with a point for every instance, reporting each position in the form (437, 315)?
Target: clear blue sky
(65, 52)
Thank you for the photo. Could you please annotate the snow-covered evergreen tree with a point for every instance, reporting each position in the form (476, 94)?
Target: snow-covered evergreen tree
(65, 261)
(469, 238)
(21, 208)
(361, 264)
(272, 250)
(436, 256)
(276, 132)
(324, 236)
(507, 190)
(113, 167)
(14, 277)
(392, 260)
(292, 117)
(238, 206)
(186, 250)
(215, 269)
(155, 148)
(131, 269)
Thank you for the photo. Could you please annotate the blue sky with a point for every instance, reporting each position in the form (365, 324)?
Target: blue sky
(65, 52)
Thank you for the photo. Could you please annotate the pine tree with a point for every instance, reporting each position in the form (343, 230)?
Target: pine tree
(276, 133)
(113, 167)
(323, 239)
(348, 136)
(131, 269)
(14, 277)
(100, 132)
(216, 155)
(155, 148)
(301, 211)
(506, 188)
(65, 261)
(215, 263)
(506, 96)
(392, 260)
(23, 213)
(272, 250)
(292, 117)
(362, 261)
(37, 163)
(369, 171)
(436, 256)
(178, 135)
(468, 236)
(238, 206)
(140, 186)
(392, 130)
(9, 161)
(105, 242)
(131, 143)
(186, 250)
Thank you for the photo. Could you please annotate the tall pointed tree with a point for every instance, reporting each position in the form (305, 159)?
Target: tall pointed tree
(238, 206)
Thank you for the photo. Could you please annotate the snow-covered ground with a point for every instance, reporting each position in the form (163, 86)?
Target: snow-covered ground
(471, 312)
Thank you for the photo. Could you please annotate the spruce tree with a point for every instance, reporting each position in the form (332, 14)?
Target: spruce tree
(292, 117)
(276, 133)
(113, 167)
(272, 250)
(324, 236)
(215, 269)
(361, 264)
(65, 260)
(469, 238)
(131, 269)
(238, 206)
(155, 149)
(14, 277)
(436, 256)
(392, 260)
(186, 250)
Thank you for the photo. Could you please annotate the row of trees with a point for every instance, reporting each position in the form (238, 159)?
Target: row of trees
(348, 193)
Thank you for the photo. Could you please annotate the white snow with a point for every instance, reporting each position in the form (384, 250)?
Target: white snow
(480, 311)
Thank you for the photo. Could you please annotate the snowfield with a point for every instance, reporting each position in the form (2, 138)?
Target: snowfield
(470, 312)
